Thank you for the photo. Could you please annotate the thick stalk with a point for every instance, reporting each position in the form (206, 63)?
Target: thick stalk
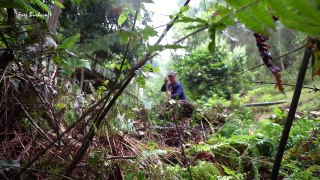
(54, 18)
(292, 111)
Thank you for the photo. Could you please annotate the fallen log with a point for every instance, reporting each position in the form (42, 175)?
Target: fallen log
(266, 103)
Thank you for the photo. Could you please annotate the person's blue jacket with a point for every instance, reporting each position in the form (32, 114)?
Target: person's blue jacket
(177, 91)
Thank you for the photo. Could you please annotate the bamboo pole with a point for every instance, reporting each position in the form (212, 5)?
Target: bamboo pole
(265, 103)
(292, 111)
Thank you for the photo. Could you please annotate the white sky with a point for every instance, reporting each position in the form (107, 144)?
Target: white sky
(161, 9)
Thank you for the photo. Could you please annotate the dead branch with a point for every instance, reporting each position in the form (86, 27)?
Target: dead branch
(313, 89)
(34, 124)
(38, 170)
(44, 151)
(266, 103)
(121, 157)
(284, 55)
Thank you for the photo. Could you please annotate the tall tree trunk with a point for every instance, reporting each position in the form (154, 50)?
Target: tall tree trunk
(53, 19)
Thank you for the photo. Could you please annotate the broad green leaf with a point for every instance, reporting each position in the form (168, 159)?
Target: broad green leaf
(221, 12)
(148, 32)
(228, 171)
(71, 64)
(134, 38)
(154, 48)
(69, 42)
(122, 18)
(261, 15)
(125, 37)
(190, 20)
(250, 23)
(305, 8)
(293, 18)
(253, 15)
(310, 29)
(59, 4)
(184, 9)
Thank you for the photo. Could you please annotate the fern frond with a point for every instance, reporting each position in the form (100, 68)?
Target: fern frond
(41, 5)
(59, 4)
(24, 5)
(314, 168)
(69, 42)
(255, 167)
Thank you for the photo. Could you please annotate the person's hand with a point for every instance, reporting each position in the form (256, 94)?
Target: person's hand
(169, 93)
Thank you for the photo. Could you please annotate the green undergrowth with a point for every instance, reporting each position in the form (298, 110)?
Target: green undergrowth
(244, 148)
(267, 93)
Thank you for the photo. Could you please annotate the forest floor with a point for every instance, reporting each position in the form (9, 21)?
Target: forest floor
(217, 142)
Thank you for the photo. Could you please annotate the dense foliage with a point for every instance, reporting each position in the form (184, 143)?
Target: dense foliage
(206, 74)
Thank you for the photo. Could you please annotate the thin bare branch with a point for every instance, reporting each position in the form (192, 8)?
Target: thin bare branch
(32, 121)
(293, 51)
(38, 170)
(314, 88)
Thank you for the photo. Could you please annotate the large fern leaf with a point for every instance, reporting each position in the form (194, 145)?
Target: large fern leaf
(24, 5)
(41, 5)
